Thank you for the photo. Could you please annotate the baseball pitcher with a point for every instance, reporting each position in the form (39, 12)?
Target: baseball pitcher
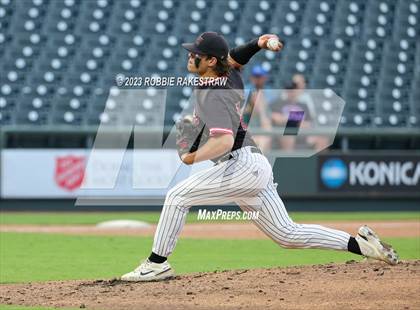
(241, 173)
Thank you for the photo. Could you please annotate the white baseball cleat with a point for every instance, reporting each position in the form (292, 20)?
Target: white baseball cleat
(372, 247)
(149, 271)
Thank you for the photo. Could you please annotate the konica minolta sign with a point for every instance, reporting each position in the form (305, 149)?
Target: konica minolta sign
(369, 173)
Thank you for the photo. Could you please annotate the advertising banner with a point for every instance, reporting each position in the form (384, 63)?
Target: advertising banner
(369, 173)
(65, 173)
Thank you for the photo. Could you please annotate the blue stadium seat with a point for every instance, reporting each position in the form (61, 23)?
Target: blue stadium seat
(407, 24)
(288, 18)
(318, 18)
(330, 64)
(379, 18)
(59, 56)
(298, 57)
(348, 19)
(356, 119)
(31, 117)
(5, 118)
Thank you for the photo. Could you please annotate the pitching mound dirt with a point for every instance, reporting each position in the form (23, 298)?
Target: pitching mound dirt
(334, 286)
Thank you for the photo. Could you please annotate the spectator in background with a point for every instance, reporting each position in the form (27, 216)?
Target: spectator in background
(295, 99)
(303, 96)
(318, 142)
(256, 105)
(280, 115)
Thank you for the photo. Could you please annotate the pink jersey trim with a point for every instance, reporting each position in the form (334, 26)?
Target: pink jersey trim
(220, 130)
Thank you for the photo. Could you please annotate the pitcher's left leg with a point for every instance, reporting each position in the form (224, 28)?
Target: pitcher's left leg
(275, 222)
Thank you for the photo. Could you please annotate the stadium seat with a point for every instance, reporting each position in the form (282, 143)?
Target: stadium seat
(379, 18)
(61, 56)
(160, 17)
(298, 57)
(67, 117)
(7, 104)
(353, 119)
(31, 117)
(407, 24)
(5, 118)
(348, 19)
(288, 18)
(330, 64)
(318, 18)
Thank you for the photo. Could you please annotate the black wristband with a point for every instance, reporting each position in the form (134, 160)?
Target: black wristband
(242, 54)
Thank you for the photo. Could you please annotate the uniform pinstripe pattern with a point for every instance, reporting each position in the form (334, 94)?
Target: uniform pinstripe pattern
(248, 181)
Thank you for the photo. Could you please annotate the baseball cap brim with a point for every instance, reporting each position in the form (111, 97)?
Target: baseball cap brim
(192, 48)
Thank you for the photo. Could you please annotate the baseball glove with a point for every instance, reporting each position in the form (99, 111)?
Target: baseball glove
(188, 135)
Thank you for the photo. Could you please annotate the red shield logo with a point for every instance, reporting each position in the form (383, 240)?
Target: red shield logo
(69, 171)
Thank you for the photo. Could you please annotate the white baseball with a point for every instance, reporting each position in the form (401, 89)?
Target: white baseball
(273, 44)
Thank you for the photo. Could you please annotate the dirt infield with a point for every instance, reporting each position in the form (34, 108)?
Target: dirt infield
(369, 285)
(221, 230)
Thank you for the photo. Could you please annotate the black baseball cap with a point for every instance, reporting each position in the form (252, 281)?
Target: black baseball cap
(209, 43)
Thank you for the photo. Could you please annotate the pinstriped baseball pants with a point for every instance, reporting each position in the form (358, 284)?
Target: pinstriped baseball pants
(247, 180)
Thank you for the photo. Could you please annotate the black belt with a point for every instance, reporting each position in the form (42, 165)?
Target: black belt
(229, 156)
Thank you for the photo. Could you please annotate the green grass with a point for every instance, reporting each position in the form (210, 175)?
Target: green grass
(42, 257)
(86, 218)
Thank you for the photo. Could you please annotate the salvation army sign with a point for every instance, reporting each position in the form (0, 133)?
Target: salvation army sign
(69, 171)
